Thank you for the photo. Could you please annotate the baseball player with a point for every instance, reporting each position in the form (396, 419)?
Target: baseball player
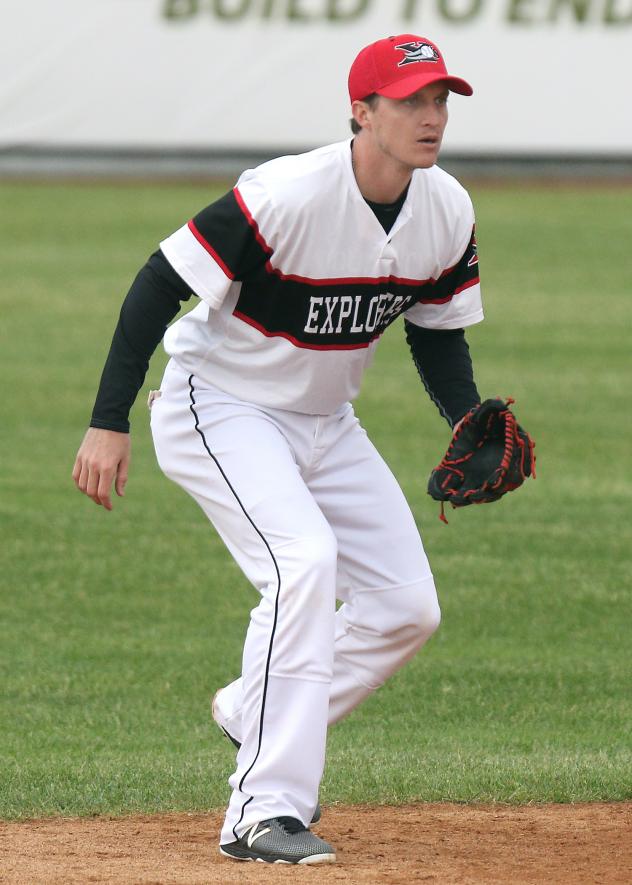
(299, 270)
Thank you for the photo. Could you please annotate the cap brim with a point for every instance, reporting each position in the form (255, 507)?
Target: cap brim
(404, 88)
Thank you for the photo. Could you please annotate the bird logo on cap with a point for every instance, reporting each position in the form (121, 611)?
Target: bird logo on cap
(416, 52)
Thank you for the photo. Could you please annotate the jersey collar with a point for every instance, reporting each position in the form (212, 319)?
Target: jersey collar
(405, 213)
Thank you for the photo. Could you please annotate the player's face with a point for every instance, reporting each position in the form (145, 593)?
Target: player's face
(409, 131)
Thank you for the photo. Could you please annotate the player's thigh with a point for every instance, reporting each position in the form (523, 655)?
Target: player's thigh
(238, 465)
(379, 544)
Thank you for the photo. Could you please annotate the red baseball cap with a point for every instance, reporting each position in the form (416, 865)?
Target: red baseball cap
(398, 66)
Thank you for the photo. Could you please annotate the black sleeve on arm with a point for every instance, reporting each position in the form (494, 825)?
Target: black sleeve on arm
(151, 303)
(443, 361)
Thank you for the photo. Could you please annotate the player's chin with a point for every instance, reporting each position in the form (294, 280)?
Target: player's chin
(426, 153)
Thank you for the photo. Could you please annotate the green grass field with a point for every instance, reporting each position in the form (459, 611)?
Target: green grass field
(117, 627)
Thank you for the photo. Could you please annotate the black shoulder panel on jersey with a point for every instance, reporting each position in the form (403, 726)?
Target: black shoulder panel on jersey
(226, 230)
(463, 275)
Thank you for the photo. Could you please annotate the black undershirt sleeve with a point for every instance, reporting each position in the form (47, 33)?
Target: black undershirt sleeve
(442, 358)
(152, 302)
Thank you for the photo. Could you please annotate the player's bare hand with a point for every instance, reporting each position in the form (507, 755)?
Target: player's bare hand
(103, 458)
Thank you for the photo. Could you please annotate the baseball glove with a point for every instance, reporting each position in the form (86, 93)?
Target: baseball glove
(489, 455)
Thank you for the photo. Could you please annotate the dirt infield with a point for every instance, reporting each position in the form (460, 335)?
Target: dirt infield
(452, 844)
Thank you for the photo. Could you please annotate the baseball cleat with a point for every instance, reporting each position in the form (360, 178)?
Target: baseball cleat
(318, 812)
(280, 840)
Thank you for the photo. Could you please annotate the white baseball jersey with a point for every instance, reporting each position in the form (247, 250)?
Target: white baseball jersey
(298, 279)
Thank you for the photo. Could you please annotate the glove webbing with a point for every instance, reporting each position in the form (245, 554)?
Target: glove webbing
(512, 438)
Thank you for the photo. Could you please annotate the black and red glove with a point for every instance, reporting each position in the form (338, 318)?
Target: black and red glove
(489, 455)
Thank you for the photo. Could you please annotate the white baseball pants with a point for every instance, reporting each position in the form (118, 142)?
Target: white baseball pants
(311, 514)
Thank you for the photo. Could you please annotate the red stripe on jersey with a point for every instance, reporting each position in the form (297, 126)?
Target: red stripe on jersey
(467, 285)
(295, 341)
(251, 221)
(447, 298)
(343, 281)
(198, 236)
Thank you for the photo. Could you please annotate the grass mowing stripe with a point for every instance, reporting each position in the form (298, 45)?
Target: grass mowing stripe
(116, 628)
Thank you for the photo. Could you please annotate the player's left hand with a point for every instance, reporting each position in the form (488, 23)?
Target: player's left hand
(490, 454)
(103, 458)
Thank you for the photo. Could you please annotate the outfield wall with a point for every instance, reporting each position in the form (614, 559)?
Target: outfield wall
(550, 76)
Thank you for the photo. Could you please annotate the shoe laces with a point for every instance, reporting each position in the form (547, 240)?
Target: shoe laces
(291, 825)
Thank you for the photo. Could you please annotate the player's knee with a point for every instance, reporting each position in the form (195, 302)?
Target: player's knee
(416, 612)
(311, 559)
(320, 551)
(427, 619)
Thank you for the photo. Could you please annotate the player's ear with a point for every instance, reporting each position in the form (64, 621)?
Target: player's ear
(361, 112)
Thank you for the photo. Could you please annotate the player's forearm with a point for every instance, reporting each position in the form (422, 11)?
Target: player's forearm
(122, 378)
(151, 303)
(442, 358)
